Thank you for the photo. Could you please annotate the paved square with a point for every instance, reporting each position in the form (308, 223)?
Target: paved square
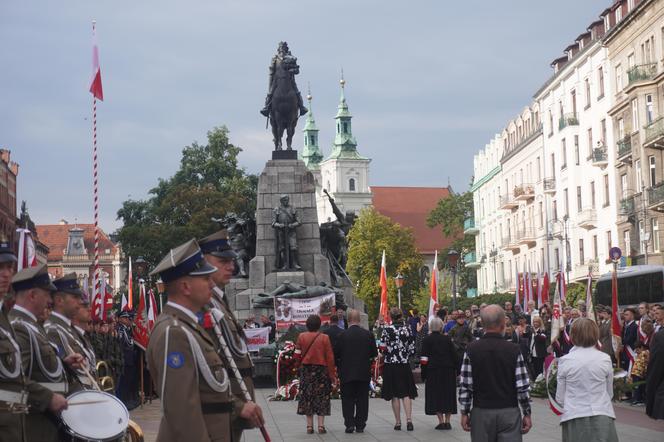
(284, 425)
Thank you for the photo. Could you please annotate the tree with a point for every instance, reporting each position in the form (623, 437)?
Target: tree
(209, 183)
(449, 214)
(371, 234)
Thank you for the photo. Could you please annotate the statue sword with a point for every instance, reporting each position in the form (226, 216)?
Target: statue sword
(217, 315)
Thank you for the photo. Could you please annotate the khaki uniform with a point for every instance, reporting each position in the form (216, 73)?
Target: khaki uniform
(65, 337)
(235, 339)
(12, 382)
(42, 365)
(196, 403)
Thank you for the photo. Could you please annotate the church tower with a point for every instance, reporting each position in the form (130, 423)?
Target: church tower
(311, 153)
(344, 173)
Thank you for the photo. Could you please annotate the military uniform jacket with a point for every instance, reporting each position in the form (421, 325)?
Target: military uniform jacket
(88, 349)
(42, 365)
(190, 379)
(12, 381)
(66, 339)
(235, 338)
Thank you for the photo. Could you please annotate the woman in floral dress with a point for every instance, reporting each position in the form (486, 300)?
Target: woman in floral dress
(398, 346)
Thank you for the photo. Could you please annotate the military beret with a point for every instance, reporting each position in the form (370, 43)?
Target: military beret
(69, 284)
(184, 260)
(33, 277)
(217, 245)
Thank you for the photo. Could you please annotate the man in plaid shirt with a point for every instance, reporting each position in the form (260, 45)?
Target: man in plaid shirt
(494, 383)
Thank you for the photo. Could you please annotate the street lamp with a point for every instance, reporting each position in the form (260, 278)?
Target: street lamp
(493, 254)
(141, 266)
(452, 260)
(564, 236)
(160, 292)
(398, 280)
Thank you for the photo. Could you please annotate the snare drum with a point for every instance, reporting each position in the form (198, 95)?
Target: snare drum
(99, 417)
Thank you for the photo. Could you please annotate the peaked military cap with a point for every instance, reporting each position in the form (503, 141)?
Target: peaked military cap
(6, 250)
(69, 284)
(217, 245)
(33, 277)
(184, 260)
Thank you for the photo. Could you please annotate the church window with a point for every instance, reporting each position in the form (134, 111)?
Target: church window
(351, 185)
(345, 127)
(312, 140)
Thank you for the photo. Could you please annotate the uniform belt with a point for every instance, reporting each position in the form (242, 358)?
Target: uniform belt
(13, 397)
(217, 407)
(246, 372)
(58, 387)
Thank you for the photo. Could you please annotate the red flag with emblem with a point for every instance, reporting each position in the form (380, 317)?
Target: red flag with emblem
(141, 324)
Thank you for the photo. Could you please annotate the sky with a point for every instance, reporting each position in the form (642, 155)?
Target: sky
(428, 83)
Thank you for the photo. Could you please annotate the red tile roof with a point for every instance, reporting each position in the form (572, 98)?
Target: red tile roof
(55, 237)
(410, 207)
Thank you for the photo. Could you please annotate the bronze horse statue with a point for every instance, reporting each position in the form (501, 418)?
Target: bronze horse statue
(285, 110)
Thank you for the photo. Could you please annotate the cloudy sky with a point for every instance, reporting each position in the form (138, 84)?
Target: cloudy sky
(430, 81)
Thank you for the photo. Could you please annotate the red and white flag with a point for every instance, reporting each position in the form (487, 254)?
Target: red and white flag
(539, 288)
(517, 291)
(152, 312)
(123, 305)
(95, 85)
(545, 288)
(130, 286)
(433, 287)
(384, 308)
(27, 252)
(557, 321)
(141, 328)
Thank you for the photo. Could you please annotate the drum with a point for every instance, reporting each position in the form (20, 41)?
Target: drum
(95, 416)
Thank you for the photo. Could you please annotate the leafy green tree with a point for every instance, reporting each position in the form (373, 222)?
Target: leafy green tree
(209, 183)
(371, 234)
(449, 214)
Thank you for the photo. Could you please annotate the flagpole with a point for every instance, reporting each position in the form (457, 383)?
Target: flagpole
(95, 185)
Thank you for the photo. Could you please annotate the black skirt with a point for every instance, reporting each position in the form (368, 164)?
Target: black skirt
(398, 382)
(440, 391)
(315, 390)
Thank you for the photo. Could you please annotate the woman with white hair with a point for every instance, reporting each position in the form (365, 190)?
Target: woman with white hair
(439, 371)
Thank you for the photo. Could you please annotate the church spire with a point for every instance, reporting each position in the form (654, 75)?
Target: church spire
(345, 145)
(311, 153)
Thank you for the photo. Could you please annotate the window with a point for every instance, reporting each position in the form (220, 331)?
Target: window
(602, 125)
(351, 186)
(606, 191)
(619, 78)
(566, 196)
(539, 169)
(630, 61)
(642, 243)
(554, 209)
(600, 75)
(577, 159)
(541, 215)
(595, 252)
(649, 109)
(621, 129)
(564, 154)
(623, 185)
(587, 87)
(550, 123)
(630, 5)
(592, 194)
(653, 171)
(635, 115)
(590, 142)
(553, 165)
(556, 254)
(609, 241)
(654, 223)
(579, 207)
(573, 97)
(619, 14)
(638, 176)
(628, 243)
(581, 253)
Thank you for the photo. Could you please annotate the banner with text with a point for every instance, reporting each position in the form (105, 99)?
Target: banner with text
(296, 311)
(257, 337)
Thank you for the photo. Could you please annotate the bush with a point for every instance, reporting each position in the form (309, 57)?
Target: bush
(465, 303)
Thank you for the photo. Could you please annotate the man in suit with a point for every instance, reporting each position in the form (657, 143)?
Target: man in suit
(605, 332)
(629, 338)
(354, 350)
(332, 330)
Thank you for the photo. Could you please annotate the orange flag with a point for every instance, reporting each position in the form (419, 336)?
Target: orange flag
(384, 309)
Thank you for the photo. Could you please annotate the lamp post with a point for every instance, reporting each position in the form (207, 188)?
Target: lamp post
(141, 266)
(160, 292)
(493, 254)
(398, 280)
(452, 260)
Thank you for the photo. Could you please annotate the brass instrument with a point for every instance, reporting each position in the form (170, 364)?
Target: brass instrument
(134, 433)
(106, 382)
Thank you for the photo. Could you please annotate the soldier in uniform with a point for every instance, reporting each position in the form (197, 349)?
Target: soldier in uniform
(61, 332)
(81, 324)
(189, 375)
(41, 363)
(285, 57)
(219, 253)
(285, 220)
(17, 393)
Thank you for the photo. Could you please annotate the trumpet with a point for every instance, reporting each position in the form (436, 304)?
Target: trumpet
(104, 378)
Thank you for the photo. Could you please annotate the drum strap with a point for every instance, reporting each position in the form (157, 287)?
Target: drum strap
(54, 376)
(5, 372)
(66, 337)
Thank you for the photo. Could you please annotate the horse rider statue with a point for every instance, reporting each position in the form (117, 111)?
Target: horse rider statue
(284, 57)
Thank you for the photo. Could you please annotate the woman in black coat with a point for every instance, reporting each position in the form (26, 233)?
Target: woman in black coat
(439, 371)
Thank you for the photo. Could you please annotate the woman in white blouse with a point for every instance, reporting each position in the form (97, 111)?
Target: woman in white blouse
(585, 388)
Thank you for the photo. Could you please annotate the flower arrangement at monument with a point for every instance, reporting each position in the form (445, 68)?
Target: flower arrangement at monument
(287, 365)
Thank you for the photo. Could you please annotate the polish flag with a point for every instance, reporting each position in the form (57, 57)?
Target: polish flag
(557, 322)
(152, 312)
(123, 306)
(545, 288)
(27, 252)
(384, 309)
(433, 301)
(95, 85)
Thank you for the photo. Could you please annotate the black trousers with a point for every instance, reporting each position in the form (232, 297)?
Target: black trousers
(355, 403)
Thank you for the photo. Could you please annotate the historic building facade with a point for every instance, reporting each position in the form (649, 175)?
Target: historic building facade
(8, 173)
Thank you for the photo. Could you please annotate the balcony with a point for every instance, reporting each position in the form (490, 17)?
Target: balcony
(507, 202)
(600, 157)
(470, 261)
(587, 218)
(524, 192)
(655, 134)
(627, 206)
(624, 150)
(656, 197)
(469, 227)
(527, 237)
(511, 243)
(568, 120)
(642, 72)
(549, 185)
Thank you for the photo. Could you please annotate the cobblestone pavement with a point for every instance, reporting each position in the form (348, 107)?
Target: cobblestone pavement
(284, 425)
